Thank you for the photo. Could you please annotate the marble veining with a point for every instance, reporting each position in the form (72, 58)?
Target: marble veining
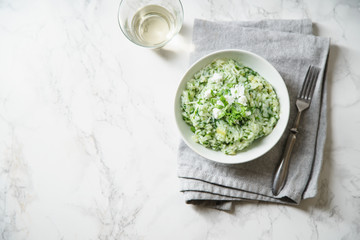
(88, 142)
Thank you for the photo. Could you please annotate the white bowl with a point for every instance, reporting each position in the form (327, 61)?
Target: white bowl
(259, 146)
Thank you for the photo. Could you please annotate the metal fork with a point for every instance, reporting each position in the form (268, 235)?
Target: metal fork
(302, 103)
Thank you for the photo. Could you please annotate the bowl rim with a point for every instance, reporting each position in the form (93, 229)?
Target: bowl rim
(284, 110)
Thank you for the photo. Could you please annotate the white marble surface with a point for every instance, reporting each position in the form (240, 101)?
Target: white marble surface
(88, 142)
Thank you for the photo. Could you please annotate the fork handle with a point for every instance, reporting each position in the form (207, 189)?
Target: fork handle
(282, 170)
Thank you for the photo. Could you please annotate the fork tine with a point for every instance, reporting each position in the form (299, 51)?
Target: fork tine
(305, 84)
(315, 78)
(309, 82)
(308, 87)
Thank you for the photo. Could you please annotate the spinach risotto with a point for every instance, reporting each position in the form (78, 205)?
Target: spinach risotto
(228, 106)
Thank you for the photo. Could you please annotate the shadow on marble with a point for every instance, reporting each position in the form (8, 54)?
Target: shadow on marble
(167, 54)
(186, 31)
(171, 51)
(315, 29)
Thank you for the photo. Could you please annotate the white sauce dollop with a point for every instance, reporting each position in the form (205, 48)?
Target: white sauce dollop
(216, 78)
(216, 113)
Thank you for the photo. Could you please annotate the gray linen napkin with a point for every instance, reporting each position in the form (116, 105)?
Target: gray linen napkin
(290, 46)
